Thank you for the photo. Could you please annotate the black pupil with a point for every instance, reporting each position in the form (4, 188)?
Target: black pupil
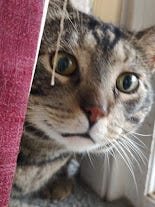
(127, 82)
(63, 64)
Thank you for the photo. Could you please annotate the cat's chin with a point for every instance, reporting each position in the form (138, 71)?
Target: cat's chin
(79, 144)
(82, 143)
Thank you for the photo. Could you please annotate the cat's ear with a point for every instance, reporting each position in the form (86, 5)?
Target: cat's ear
(146, 41)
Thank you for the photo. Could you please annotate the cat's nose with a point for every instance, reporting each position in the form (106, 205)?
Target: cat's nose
(94, 113)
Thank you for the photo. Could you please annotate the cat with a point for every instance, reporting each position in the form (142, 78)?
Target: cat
(102, 91)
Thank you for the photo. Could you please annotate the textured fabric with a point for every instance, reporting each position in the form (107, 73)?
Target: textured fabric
(19, 31)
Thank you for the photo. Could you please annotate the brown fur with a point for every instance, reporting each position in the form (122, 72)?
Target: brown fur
(57, 123)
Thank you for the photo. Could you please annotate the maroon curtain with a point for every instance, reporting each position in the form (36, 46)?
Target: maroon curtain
(19, 31)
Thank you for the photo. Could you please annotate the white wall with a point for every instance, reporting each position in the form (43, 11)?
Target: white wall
(83, 5)
(138, 14)
(108, 10)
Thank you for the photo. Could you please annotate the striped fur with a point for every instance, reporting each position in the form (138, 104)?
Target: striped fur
(56, 124)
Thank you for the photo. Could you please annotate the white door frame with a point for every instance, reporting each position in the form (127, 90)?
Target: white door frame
(149, 193)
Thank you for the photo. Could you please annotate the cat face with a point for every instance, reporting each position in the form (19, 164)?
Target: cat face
(102, 83)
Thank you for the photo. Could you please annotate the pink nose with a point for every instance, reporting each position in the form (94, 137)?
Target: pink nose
(94, 113)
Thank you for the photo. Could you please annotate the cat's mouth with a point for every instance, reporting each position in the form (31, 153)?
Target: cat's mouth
(82, 140)
(84, 135)
(79, 142)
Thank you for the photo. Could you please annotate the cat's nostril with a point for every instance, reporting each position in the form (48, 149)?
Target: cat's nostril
(94, 113)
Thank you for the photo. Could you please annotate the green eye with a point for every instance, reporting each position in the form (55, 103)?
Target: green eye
(65, 64)
(127, 83)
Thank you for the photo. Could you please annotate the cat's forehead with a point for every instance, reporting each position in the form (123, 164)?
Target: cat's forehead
(98, 38)
(106, 35)
(106, 44)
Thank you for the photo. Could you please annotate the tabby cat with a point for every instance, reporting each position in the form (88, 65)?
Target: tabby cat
(102, 91)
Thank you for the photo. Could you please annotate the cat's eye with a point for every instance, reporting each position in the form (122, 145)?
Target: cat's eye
(127, 83)
(65, 64)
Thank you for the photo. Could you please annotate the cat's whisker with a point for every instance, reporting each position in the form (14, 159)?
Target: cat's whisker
(127, 161)
(132, 152)
(136, 149)
(107, 163)
(105, 151)
(111, 151)
(118, 147)
(136, 142)
(143, 135)
(134, 136)
(136, 133)
(106, 156)
(142, 144)
(68, 45)
(89, 158)
(74, 25)
(82, 156)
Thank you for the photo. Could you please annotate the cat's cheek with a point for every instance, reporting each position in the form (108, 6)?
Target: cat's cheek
(103, 132)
